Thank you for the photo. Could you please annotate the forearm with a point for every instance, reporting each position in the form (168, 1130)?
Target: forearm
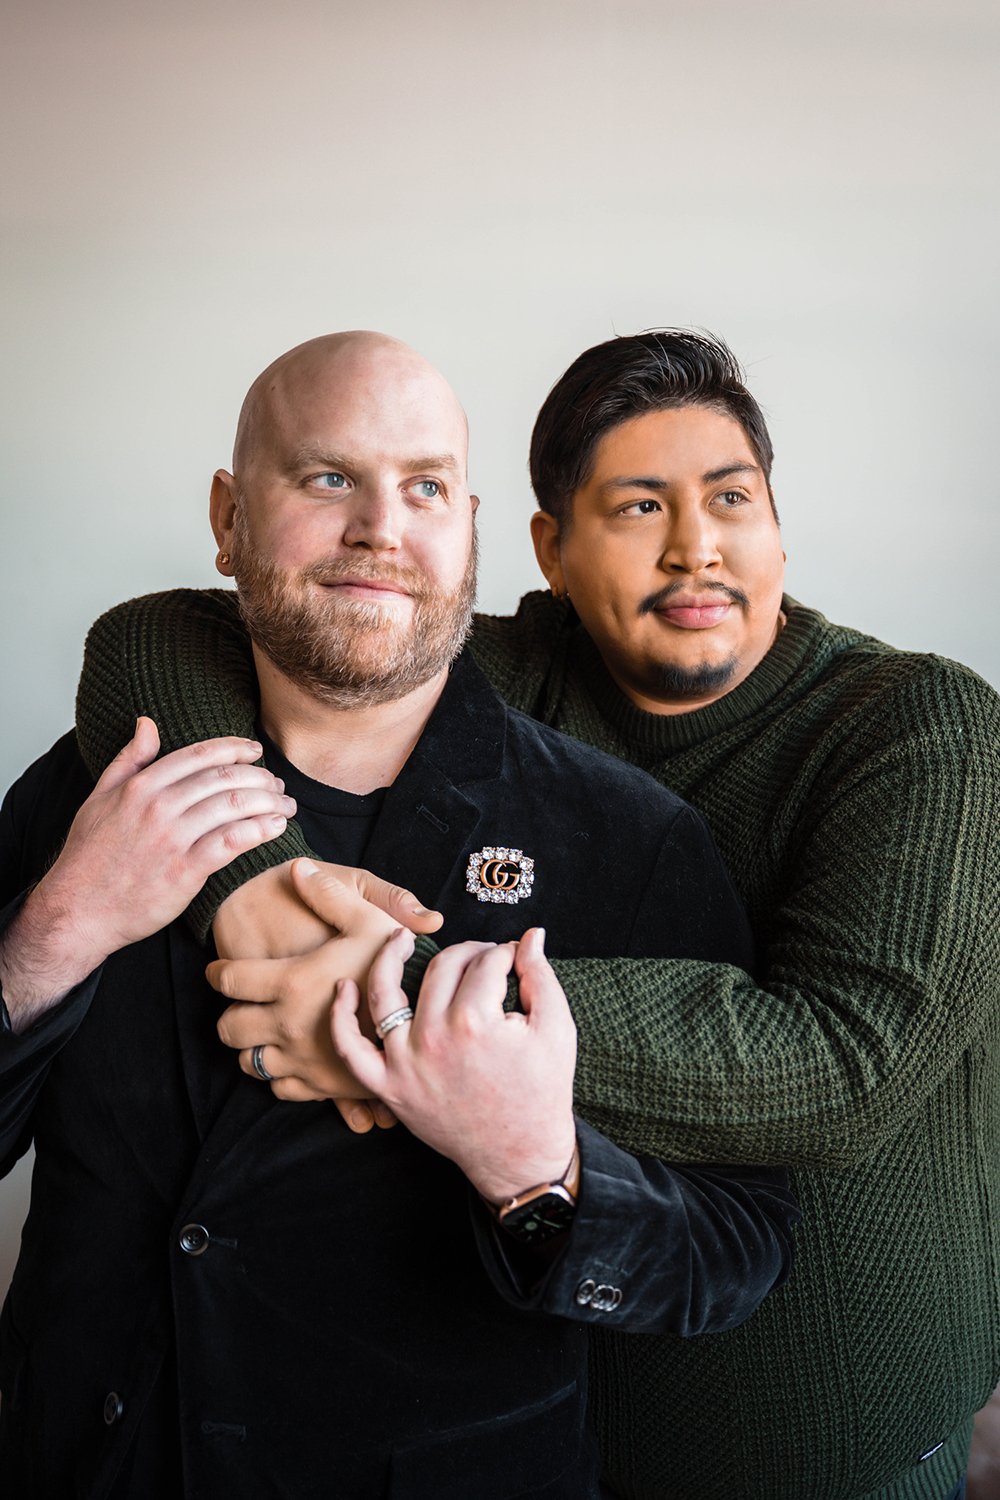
(879, 951)
(181, 657)
(24, 1066)
(223, 883)
(669, 1030)
(44, 953)
(657, 1248)
(25, 1054)
(696, 1062)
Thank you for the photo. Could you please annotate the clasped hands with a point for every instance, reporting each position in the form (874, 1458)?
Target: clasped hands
(490, 1089)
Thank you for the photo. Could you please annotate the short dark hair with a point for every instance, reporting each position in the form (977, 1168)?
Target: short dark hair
(627, 377)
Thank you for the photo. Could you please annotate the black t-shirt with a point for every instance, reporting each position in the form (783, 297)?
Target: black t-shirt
(336, 824)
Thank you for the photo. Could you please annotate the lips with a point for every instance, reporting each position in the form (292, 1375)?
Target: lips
(696, 615)
(366, 588)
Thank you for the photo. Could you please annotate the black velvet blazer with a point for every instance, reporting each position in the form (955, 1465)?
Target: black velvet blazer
(221, 1294)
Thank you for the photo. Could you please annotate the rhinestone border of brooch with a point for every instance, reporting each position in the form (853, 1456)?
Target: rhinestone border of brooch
(475, 882)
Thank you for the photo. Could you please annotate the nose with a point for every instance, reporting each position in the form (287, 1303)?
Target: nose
(692, 542)
(375, 520)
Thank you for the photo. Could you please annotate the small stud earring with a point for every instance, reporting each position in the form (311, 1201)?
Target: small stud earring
(223, 559)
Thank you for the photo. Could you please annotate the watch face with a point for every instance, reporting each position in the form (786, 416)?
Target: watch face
(534, 1222)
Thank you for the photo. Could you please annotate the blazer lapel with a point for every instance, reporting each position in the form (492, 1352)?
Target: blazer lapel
(425, 826)
(428, 822)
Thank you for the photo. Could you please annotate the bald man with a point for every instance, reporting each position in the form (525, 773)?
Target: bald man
(223, 1293)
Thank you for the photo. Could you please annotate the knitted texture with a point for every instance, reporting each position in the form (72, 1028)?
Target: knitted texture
(852, 790)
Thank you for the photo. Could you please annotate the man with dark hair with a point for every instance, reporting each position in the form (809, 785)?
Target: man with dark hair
(223, 1294)
(625, 378)
(853, 791)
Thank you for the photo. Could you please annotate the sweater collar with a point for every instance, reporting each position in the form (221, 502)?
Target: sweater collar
(800, 645)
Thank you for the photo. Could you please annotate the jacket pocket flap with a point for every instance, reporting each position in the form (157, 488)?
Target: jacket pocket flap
(519, 1451)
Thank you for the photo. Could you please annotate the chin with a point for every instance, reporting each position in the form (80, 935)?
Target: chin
(675, 679)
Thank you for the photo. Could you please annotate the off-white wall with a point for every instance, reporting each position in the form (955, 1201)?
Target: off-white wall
(193, 188)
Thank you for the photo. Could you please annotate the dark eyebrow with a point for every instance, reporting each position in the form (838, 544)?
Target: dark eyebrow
(728, 470)
(658, 485)
(635, 482)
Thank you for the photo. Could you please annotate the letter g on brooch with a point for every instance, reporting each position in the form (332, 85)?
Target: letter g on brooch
(500, 875)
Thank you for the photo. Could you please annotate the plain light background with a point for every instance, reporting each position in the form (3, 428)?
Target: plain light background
(191, 189)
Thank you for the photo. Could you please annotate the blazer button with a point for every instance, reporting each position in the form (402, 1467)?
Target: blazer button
(194, 1239)
(113, 1408)
(585, 1292)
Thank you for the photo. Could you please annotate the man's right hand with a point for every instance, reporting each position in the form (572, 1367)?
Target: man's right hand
(139, 849)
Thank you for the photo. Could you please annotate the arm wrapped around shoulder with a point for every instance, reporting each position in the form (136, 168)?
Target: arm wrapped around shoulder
(184, 659)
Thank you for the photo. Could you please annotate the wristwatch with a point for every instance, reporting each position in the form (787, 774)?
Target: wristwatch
(540, 1213)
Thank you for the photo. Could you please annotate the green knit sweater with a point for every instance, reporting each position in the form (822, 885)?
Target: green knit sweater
(853, 791)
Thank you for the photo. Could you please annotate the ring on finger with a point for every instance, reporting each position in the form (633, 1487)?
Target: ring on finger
(257, 1063)
(393, 1019)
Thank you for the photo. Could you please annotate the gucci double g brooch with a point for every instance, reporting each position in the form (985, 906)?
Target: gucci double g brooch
(503, 875)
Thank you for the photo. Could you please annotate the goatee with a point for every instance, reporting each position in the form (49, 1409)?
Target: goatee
(672, 682)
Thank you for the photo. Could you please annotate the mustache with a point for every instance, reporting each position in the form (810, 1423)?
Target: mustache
(335, 569)
(664, 595)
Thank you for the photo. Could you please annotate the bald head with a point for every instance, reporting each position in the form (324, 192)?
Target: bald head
(347, 520)
(369, 374)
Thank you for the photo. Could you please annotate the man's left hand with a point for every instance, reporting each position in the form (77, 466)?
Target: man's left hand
(492, 1090)
(283, 1004)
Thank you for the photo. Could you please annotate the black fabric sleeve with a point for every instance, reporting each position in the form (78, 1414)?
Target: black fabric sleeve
(654, 1247)
(690, 908)
(657, 1247)
(33, 817)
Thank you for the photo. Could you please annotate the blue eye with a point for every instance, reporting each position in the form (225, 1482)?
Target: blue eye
(428, 489)
(331, 481)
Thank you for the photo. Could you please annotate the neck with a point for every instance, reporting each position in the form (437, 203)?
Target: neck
(355, 749)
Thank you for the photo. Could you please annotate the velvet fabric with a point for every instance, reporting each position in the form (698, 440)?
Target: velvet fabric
(344, 1318)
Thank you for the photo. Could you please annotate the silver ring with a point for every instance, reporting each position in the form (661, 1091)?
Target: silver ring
(257, 1063)
(394, 1019)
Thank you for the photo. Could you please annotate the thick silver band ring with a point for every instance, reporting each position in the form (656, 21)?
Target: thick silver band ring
(257, 1063)
(394, 1019)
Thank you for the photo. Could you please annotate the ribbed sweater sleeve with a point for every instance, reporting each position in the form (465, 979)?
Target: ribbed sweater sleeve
(183, 658)
(882, 954)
